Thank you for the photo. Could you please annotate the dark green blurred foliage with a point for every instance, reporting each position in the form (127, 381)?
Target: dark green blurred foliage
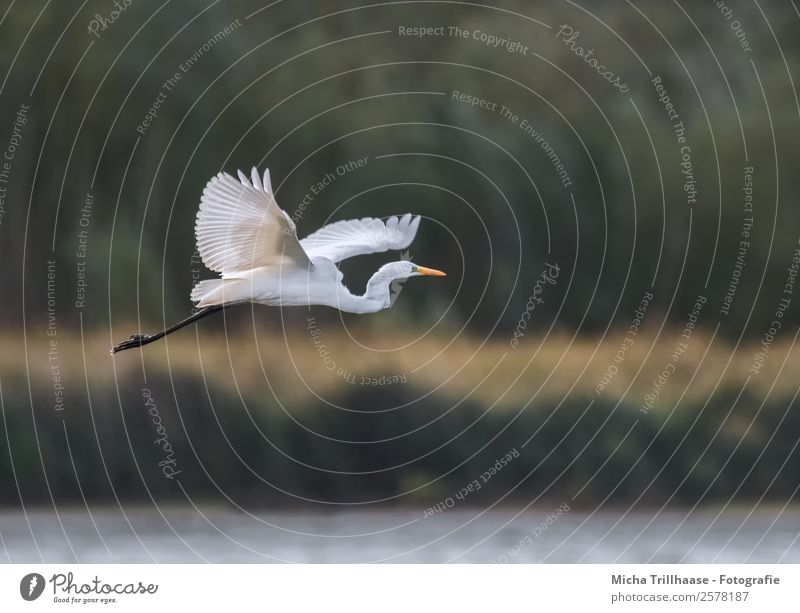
(303, 87)
(390, 445)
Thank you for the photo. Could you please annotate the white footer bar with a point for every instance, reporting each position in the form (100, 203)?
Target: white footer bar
(402, 588)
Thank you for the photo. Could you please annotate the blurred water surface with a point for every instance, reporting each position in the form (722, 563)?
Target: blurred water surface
(506, 536)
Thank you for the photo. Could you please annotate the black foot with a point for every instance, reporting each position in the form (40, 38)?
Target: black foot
(136, 340)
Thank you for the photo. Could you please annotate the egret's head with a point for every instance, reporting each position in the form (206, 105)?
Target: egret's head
(405, 269)
(385, 284)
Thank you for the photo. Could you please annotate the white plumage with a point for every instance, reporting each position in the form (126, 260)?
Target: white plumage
(240, 227)
(243, 235)
(345, 239)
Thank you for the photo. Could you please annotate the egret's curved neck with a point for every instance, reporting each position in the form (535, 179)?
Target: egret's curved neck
(374, 299)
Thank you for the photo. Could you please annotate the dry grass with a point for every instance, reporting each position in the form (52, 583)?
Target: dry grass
(488, 370)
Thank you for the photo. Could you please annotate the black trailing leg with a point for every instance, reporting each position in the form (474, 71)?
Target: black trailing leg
(139, 340)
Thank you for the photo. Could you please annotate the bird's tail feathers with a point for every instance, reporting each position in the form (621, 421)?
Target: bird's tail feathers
(220, 291)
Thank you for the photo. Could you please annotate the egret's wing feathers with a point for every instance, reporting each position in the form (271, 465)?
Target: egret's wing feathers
(345, 239)
(240, 226)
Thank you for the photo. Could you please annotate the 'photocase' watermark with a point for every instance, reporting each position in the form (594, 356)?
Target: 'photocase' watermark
(101, 23)
(568, 36)
(168, 464)
(548, 276)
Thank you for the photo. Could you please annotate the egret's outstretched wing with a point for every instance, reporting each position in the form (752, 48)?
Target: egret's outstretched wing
(240, 226)
(345, 239)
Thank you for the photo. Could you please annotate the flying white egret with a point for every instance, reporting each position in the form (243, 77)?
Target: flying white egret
(243, 235)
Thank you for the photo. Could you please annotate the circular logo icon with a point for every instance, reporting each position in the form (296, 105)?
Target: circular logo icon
(31, 586)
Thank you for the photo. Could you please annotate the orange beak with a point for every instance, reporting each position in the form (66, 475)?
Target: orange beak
(430, 271)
